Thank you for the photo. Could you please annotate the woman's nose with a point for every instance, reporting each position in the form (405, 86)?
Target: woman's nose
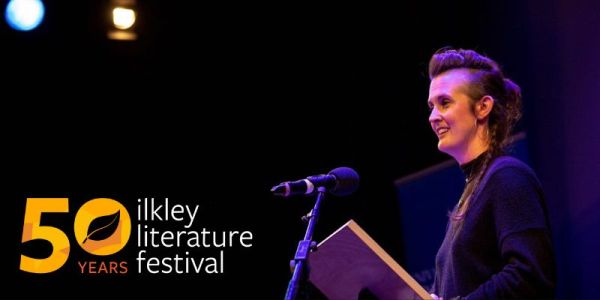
(434, 116)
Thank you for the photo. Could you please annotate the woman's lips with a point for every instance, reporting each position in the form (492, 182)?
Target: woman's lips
(441, 131)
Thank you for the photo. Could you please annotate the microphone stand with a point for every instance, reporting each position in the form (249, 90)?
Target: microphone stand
(304, 246)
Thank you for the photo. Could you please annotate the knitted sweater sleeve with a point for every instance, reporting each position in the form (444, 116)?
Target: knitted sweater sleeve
(523, 238)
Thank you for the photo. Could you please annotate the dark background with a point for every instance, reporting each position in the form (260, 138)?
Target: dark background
(213, 105)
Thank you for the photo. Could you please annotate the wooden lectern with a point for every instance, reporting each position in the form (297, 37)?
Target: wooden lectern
(349, 261)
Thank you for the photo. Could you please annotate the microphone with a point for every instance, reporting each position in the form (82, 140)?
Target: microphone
(340, 181)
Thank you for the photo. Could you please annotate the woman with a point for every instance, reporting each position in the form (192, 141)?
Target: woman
(497, 242)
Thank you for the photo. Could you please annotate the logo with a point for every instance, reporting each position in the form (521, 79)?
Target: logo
(102, 227)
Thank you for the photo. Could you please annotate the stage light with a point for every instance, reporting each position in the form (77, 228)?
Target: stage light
(123, 20)
(24, 15)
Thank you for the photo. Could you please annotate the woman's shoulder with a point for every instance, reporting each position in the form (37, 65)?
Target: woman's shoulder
(507, 164)
(507, 172)
(515, 196)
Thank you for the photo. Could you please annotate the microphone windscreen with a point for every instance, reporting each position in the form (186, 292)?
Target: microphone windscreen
(347, 181)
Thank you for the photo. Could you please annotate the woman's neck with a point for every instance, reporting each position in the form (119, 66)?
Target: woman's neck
(472, 152)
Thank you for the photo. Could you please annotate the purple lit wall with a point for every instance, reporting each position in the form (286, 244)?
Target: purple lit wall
(565, 68)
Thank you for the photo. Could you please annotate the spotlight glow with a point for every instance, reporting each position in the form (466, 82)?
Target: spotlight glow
(24, 15)
(123, 18)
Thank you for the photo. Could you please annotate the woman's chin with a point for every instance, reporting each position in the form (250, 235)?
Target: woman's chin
(444, 147)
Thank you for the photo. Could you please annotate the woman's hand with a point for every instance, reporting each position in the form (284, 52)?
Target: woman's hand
(435, 297)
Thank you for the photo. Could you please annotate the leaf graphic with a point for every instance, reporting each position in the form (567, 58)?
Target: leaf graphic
(103, 227)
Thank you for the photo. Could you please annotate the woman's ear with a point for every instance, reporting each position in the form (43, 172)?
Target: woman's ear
(484, 107)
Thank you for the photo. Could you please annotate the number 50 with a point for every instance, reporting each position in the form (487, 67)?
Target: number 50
(93, 221)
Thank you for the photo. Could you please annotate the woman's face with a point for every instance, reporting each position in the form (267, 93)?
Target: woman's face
(452, 118)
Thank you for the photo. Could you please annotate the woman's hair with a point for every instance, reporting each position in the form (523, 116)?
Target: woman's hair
(486, 79)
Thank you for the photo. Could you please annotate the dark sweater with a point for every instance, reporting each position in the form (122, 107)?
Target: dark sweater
(502, 248)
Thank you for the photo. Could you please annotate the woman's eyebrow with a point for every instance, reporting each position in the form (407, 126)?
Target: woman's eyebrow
(437, 98)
